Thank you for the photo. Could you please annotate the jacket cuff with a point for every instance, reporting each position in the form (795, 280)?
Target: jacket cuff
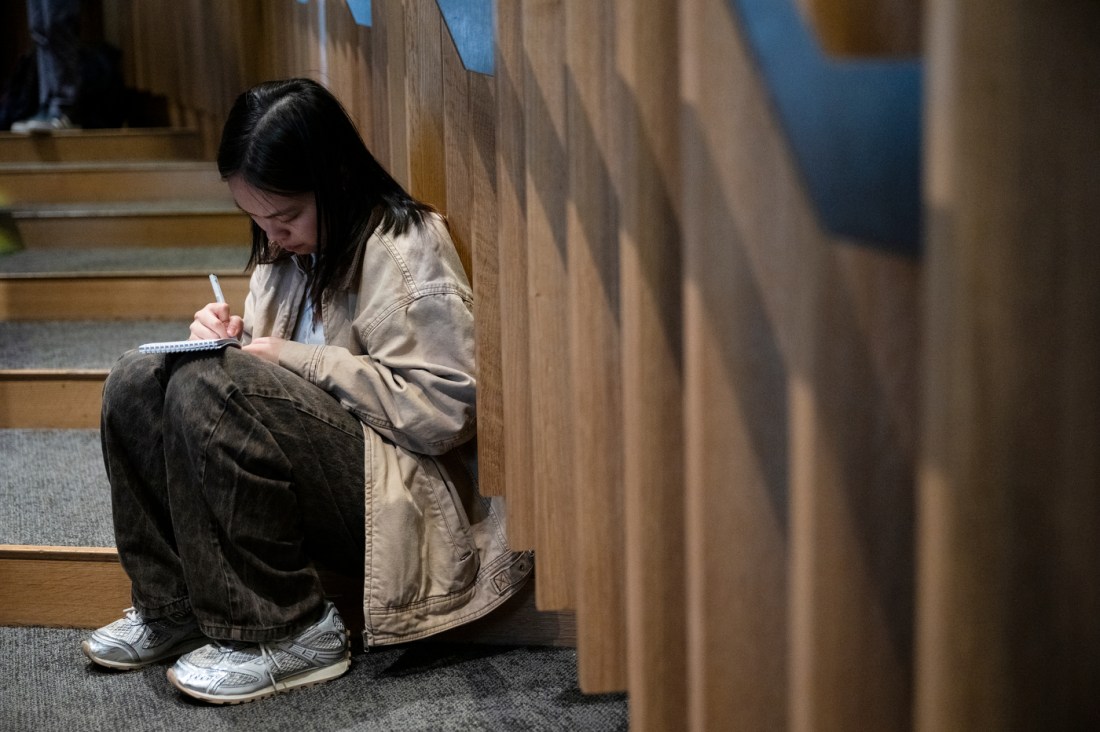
(299, 358)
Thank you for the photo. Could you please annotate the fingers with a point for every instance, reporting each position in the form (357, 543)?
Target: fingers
(212, 322)
(235, 326)
(267, 348)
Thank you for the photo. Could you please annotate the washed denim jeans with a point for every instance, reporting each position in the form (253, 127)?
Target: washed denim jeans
(55, 28)
(229, 477)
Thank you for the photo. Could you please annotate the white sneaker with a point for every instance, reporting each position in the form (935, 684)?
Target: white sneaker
(231, 673)
(133, 641)
(44, 123)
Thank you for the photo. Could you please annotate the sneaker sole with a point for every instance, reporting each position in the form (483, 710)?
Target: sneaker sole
(134, 665)
(301, 681)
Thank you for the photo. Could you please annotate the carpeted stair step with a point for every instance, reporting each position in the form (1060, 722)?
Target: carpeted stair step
(155, 143)
(58, 566)
(118, 283)
(130, 224)
(55, 490)
(52, 372)
(80, 182)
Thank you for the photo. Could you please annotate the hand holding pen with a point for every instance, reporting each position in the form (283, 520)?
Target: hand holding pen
(214, 320)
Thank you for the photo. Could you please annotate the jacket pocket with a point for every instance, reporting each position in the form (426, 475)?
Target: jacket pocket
(421, 544)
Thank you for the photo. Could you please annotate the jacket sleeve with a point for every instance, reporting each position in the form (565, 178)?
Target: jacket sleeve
(415, 384)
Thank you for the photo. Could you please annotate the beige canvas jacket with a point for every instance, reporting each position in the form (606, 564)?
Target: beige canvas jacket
(399, 355)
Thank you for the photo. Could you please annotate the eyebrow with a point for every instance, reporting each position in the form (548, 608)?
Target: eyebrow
(274, 214)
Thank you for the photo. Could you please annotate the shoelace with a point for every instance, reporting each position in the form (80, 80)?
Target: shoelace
(265, 654)
(269, 663)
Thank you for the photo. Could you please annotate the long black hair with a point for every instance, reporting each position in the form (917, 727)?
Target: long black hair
(292, 137)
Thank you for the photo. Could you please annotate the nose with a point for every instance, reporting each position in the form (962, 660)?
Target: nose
(275, 231)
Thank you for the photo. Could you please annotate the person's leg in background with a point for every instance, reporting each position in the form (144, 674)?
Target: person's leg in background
(55, 29)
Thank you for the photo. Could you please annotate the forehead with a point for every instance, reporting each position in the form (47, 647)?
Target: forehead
(255, 202)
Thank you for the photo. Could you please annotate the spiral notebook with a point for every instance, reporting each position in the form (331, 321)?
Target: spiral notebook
(188, 346)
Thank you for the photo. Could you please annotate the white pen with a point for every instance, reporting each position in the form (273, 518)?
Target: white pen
(219, 296)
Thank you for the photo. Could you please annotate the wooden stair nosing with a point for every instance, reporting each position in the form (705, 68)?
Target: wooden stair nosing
(126, 296)
(81, 587)
(85, 587)
(153, 143)
(51, 398)
(192, 230)
(31, 183)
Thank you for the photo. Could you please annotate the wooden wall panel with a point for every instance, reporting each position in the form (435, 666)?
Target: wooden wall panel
(647, 125)
(512, 249)
(769, 372)
(548, 292)
(748, 243)
(424, 90)
(484, 222)
(457, 146)
(593, 256)
(379, 102)
(852, 499)
(1008, 633)
(388, 33)
(349, 66)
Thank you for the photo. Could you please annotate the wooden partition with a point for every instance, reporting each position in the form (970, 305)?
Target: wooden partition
(1009, 597)
(707, 406)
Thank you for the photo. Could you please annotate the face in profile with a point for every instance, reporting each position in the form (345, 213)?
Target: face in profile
(290, 222)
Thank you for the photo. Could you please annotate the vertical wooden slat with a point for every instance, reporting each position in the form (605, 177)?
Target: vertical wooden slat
(424, 85)
(512, 248)
(594, 331)
(389, 57)
(487, 294)
(349, 52)
(547, 281)
(1008, 630)
(381, 119)
(749, 241)
(362, 99)
(456, 146)
(648, 129)
(852, 512)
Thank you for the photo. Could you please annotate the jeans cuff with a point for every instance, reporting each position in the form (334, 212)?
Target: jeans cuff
(158, 611)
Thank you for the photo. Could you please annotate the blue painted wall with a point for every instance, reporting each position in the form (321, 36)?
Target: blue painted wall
(854, 126)
(470, 23)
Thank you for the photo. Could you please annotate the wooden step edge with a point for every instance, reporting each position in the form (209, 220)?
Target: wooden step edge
(52, 375)
(85, 587)
(152, 143)
(110, 296)
(39, 552)
(51, 398)
(61, 587)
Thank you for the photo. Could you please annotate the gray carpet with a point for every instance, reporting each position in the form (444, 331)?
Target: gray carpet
(47, 684)
(53, 489)
(223, 260)
(79, 344)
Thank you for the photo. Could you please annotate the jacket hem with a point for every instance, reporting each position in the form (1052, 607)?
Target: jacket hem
(498, 582)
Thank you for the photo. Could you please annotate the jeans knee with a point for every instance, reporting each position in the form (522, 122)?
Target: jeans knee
(132, 376)
(196, 382)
